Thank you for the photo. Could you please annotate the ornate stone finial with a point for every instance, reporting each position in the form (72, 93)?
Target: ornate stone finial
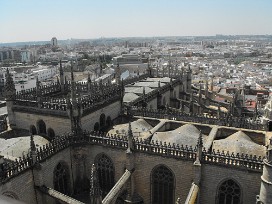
(62, 80)
(218, 111)
(199, 149)
(130, 139)
(256, 110)
(33, 152)
(73, 93)
(212, 84)
(143, 91)
(95, 191)
(118, 74)
(199, 94)
(32, 143)
(149, 69)
(200, 140)
(61, 69)
(206, 88)
(10, 90)
(38, 90)
(89, 78)
(72, 72)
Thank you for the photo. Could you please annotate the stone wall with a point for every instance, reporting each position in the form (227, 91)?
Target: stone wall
(144, 164)
(20, 187)
(60, 125)
(213, 176)
(113, 110)
(79, 158)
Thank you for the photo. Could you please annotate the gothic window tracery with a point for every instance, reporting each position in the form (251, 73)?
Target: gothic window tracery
(96, 127)
(229, 192)
(162, 184)
(61, 178)
(33, 130)
(105, 171)
(102, 120)
(51, 133)
(41, 127)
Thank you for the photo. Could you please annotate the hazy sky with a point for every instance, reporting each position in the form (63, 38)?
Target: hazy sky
(34, 20)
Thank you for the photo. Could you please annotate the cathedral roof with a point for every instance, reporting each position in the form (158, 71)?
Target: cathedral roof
(240, 143)
(139, 126)
(186, 135)
(128, 97)
(14, 148)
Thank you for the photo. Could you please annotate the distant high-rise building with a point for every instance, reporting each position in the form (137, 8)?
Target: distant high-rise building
(54, 41)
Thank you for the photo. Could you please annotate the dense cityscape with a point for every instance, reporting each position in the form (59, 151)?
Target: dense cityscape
(133, 102)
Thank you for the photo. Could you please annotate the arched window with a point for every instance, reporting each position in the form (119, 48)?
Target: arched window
(51, 133)
(61, 178)
(105, 171)
(102, 120)
(108, 121)
(229, 192)
(96, 127)
(33, 130)
(163, 185)
(41, 127)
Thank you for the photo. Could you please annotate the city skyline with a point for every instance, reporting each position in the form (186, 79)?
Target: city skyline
(41, 20)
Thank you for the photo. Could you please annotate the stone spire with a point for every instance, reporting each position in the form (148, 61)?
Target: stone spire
(118, 74)
(89, 83)
(199, 147)
(95, 191)
(10, 90)
(207, 89)
(61, 74)
(32, 143)
(73, 86)
(143, 91)
(130, 139)
(200, 94)
(38, 89)
(74, 108)
(256, 110)
(189, 79)
(218, 111)
(33, 151)
(191, 103)
(266, 179)
(10, 94)
(212, 84)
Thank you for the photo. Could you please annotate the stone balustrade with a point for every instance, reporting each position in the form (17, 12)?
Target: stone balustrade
(157, 148)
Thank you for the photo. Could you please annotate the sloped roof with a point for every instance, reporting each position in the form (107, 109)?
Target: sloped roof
(137, 127)
(240, 143)
(128, 97)
(15, 147)
(186, 135)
